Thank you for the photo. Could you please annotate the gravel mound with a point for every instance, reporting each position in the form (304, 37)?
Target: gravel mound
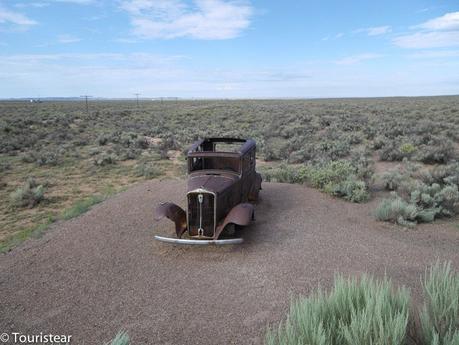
(102, 272)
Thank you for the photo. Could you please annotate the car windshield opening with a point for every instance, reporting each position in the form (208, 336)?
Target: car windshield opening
(215, 163)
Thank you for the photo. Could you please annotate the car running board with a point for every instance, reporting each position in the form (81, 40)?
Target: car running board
(199, 242)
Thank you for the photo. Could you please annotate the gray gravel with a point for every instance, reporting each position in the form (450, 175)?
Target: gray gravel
(102, 272)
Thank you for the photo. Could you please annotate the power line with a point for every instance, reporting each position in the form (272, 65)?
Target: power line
(137, 98)
(86, 101)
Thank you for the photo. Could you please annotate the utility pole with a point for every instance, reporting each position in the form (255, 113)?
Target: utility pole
(137, 98)
(86, 101)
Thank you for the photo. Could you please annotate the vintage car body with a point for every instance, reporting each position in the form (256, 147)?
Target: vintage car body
(222, 185)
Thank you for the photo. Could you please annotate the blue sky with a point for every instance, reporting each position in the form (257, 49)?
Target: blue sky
(228, 49)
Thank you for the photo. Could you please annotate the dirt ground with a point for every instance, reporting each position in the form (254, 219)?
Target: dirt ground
(102, 272)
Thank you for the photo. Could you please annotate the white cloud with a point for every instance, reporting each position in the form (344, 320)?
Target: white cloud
(68, 39)
(449, 21)
(375, 30)
(206, 19)
(434, 54)
(354, 59)
(78, 2)
(438, 32)
(14, 18)
(31, 4)
(426, 40)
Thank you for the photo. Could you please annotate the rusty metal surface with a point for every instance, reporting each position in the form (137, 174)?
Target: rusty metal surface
(220, 186)
(240, 215)
(174, 213)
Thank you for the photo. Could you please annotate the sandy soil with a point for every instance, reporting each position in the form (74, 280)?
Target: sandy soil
(103, 272)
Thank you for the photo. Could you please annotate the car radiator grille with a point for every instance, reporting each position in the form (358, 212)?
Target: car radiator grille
(208, 214)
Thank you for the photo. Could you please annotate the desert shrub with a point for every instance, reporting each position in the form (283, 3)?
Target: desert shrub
(285, 174)
(275, 149)
(354, 312)
(436, 150)
(47, 158)
(396, 150)
(28, 195)
(103, 139)
(334, 149)
(425, 203)
(126, 153)
(407, 148)
(28, 157)
(105, 159)
(329, 173)
(397, 210)
(392, 179)
(350, 189)
(4, 166)
(122, 338)
(440, 314)
(339, 178)
(147, 170)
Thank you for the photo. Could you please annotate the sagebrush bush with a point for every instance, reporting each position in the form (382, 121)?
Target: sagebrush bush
(364, 311)
(105, 159)
(350, 189)
(396, 210)
(47, 158)
(28, 195)
(421, 195)
(285, 174)
(122, 338)
(440, 313)
(147, 170)
(339, 178)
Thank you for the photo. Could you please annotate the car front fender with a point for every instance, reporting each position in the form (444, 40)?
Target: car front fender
(174, 213)
(241, 214)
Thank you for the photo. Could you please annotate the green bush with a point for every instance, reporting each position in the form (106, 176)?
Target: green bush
(122, 338)
(29, 195)
(338, 178)
(407, 148)
(105, 159)
(350, 189)
(396, 210)
(147, 170)
(47, 158)
(354, 312)
(330, 173)
(440, 313)
(285, 174)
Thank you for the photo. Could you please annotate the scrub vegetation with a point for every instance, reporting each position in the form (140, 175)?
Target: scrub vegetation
(372, 311)
(55, 154)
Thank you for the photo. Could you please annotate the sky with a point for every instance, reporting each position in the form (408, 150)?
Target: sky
(228, 49)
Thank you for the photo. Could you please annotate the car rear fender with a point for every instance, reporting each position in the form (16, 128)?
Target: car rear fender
(241, 214)
(174, 213)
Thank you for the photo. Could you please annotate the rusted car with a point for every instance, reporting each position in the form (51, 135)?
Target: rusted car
(222, 187)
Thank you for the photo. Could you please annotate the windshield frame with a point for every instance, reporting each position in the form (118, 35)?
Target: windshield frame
(213, 154)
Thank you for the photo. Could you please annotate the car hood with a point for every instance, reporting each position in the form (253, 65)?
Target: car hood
(212, 181)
